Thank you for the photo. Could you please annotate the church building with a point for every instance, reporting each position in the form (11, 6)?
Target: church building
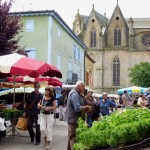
(115, 44)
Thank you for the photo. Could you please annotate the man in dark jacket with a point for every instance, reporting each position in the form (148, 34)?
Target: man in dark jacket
(31, 112)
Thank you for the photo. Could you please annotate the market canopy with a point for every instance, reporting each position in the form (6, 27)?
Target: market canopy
(133, 89)
(16, 64)
(28, 80)
(22, 90)
(109, 95)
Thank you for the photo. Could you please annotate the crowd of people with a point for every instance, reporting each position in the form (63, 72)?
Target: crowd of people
(78, 104)
(39, 109)
(139, 99)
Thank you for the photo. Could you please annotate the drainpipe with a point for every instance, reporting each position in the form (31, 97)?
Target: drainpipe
(84, 65)
(102, 69)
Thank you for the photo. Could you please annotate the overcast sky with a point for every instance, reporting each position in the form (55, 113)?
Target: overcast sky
(68, 8)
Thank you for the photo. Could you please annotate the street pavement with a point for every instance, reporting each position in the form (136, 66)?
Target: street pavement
(59, 141)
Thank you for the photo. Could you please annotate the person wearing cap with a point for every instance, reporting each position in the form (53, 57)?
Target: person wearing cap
(75, 108)
(106, 104)
(91, 102)
(31, 112)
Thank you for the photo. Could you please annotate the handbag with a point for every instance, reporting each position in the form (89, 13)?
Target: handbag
(22, 124)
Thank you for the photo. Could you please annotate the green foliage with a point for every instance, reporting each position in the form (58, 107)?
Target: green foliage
(10, 27)
(113, 131)
(9, 110)
(140, 74)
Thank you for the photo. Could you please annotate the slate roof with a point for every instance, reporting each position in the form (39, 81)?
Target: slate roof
(100, 17)
(142, 23)
(56, 16)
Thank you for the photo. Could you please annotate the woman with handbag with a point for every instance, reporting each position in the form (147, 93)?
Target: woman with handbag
(47, 105)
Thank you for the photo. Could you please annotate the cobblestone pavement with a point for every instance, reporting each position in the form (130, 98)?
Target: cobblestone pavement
(59, 141)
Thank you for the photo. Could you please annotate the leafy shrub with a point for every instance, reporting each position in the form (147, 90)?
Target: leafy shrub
(113, 131)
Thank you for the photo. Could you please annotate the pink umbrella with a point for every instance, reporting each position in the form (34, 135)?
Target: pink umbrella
(26, 79)
(15, 64)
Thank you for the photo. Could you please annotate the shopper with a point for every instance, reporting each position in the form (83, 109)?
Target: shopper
(75, 108)
(31, 112)
(47, 105)
(91, 102)
(62, 104)
(106, 105)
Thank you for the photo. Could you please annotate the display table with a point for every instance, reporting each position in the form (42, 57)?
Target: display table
(11, 117)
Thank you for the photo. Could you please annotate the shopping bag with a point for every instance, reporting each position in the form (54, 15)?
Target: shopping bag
(22, 124)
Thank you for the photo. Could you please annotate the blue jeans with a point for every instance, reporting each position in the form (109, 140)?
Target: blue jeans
(89, 120)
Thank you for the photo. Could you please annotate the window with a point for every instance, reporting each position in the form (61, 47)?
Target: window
(117, 37)
(70, 64)
(116, 72)
(74, 68)
(31, 52)
(79, 73)
(82, 74)
(93, 39)
(59, 32)
(30, 26)
(74, 51)
(58, 62)
(81, 57)
(78, 54)
(146, 39)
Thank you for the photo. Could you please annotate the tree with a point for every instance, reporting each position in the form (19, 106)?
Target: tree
(140, 74)
(10, 26)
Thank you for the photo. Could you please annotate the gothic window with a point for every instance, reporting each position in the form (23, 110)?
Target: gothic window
(117, 37)
(116, 72)
(146, 39)
(93, 39)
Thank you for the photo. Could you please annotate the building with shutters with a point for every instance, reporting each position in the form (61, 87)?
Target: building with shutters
(48, 38)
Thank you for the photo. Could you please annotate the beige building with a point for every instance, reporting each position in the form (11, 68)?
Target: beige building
(115, 44)
(89, 70)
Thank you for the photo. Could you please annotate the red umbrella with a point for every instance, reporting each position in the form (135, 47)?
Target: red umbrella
(15, 64)
(26, 79)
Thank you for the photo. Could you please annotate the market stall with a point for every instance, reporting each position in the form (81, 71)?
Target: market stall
(24, 66)
(133, 89)
(126, 129)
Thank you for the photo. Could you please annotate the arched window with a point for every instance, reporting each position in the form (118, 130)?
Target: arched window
(93, 39)
(117, 37)
(116, 72)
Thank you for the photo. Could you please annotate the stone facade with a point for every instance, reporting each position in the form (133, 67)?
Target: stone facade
(117, 42)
